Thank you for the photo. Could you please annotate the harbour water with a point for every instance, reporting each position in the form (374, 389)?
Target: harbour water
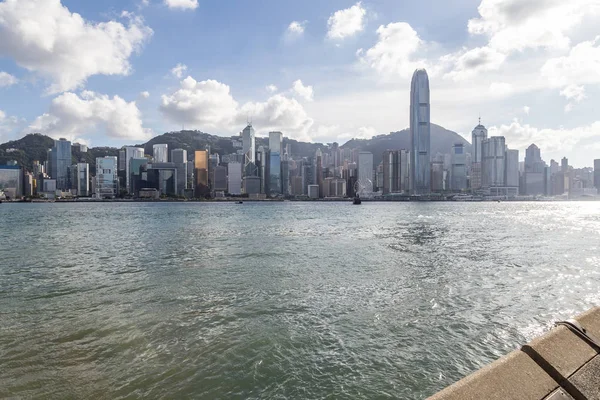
(281, 300)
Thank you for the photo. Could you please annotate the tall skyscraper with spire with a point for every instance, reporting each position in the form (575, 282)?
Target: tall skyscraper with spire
(420, 133)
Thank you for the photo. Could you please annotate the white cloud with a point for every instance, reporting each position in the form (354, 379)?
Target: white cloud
(347, 22)
(580, 66)
(393, 53)
(7, 79)
(364, 132)
(45, 37)
(182, 4)
(7, 125)
(296, 28)
(553, 141)
(144, 95)
(468, 63)
(179, 70)
(305, 92)
(521, 24)
(210, 105)
(575, 94)
(526, 109)
(73, 116)
(271, 88)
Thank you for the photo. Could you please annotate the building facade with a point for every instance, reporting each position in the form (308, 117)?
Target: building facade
(201, 173)
(106, 177)
(420, 133)
(11, 181)
(179, 158)
(160, 153)
(458, 172)
(365, 172)
(130, 154)
(493, 162)
(248, 147)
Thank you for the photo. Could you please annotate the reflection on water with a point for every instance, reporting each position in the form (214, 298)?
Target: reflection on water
(287, 300)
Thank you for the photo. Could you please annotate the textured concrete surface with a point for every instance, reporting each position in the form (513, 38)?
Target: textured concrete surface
(587, 379)
(563, 350)
(535, 371)
(513, 377)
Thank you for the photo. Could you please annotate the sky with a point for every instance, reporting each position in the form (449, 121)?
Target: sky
(116, 72)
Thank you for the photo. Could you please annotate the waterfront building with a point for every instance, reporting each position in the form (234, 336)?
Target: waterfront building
(319, 171)
(122, 159)
(106, 177)
(130, 154)
(313, 191)
(11, 181)
(234, 178)
(28, 184)
(138, 174)
(179, 158)
(285, 175)
(420, 133)
(297, 186)
(535, 183)
(533, 160)
(475, 177)
(275, 181)
(49, 187)
(219, 180)
(597, 174)
(493, 162)
(160, 153)
(391, 170)
(437, 177)
(251, 185)
(82, 179)
(365, 171)
(478, 135)
(458, 172)
(564, 164)
(201, 173)
(512, 168)
(162, 177)
(60, 163)
(248, 148)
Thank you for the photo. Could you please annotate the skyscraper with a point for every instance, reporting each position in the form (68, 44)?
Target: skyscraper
(420, 133)
(179, 158)
(597, 174)
(131, 153)
(61, 161)
(106, 177)
(365, 171)
(248, 147)
(82, 183)
(275, 185)
(478, 135)
(160, 153)
(234, 178)
(458, 173)
(201, 186)
(512, 168)
(493, 162)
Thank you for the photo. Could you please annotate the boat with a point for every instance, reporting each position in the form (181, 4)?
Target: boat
(356, 200)
(239, 202)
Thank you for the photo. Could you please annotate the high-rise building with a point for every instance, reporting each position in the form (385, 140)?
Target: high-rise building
(493, 162)
(248, 147)
(106, 177)
(11, 181)
(122, 159)
(391, 170)
(160, 153)
(179, 158)
(61, 161)
(130, 154)
(365, 171)
(234, 178)
(458, 172)
(512, 168)
(162, 177)
(297, 186)
(137, 175)
(564, 164)
(597, 174)
(533, 159)
(319, 171)
(437, 176)
(420, 133)
(82, 183)
(275, 185)
(201, 171)
(219, 179)
(478, 135)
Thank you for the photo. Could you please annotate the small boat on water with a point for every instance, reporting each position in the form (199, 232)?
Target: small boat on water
(356, 200)
(239, 202)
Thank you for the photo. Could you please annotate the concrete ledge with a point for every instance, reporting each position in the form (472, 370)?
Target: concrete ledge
(539, 369)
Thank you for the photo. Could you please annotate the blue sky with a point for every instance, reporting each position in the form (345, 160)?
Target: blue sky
(103, 71)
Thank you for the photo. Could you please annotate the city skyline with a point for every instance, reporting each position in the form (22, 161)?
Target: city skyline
(475, 61)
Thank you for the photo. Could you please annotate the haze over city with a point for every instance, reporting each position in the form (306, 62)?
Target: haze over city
(119, 72)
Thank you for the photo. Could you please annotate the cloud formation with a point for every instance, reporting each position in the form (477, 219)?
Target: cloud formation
(209, 105)
(305, 92)
(73, 116)
(7, 79)
(182, 4)
(347, 22)
(44, 37)
(296, 28)
(179, 70)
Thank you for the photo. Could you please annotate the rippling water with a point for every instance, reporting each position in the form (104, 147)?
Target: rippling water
(283, 301)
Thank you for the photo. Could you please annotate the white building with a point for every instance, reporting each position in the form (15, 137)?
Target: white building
(106, 177)
(160, 153)
(365, 171)
(131, 153)
(234, 178)
(275, 139)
